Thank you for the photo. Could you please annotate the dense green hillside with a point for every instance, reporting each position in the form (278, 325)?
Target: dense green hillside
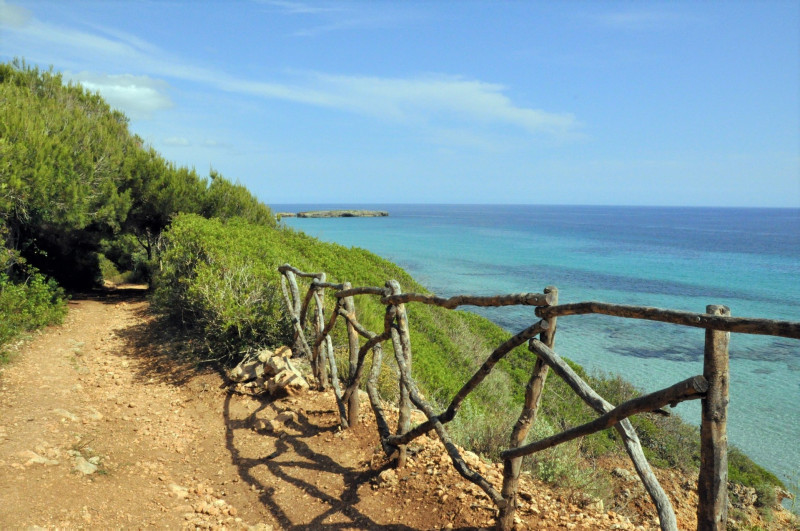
(80, 196)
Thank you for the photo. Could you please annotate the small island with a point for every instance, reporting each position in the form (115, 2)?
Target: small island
(336, 214)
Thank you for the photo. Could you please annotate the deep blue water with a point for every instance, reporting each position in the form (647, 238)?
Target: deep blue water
(681, 258)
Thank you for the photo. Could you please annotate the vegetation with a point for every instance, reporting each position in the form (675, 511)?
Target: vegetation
(82, 199)
(28, 304)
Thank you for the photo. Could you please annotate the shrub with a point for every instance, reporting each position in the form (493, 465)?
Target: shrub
(211, 281)
(29, 304)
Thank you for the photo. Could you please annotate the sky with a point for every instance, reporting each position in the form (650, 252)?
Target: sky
(525, 102)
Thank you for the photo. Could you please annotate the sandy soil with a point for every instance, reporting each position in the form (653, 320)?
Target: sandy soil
(103, 427)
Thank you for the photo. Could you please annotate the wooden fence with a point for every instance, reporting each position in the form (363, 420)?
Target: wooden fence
(711, 386)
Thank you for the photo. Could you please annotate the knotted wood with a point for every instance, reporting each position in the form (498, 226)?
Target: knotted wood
(726, 323)
(689, 389)
(514, 299)
(353, 404)
(712, 484)
(401, 341)
(286, 268)
(480, 375)
(633, 447)
(362, 290)
(533, 396)
(300, 338)
(455, 456)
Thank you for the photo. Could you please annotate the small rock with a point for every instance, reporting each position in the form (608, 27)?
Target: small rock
(84, 467)
(35, 459)
(177, 490)
(388, 477)
(65, 414)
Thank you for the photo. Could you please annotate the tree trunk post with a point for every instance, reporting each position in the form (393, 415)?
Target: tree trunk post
(321, 354)
(712, 485)
(404, 413)
(533, 395)
(352, 336)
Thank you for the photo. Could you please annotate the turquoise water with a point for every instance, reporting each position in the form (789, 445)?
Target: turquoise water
(681, 258)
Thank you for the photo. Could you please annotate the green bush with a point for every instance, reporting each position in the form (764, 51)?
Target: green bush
(28, 305)
(212, 281)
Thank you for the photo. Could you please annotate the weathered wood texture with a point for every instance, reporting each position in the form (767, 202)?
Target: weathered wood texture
(321, 347)
(471, 384)
(712, 506)
(300, 343)
(515, 299)
(353, 406)
(712, 387)
(633, 446)
(689, 389)
(742, 325)
(401, 339)
(286, 268)
(362, 290)
(533, 396)
(455, 456)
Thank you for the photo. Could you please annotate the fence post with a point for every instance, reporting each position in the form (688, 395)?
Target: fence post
(712, 484)
(352, 335)
(533, 395)
(401, 339)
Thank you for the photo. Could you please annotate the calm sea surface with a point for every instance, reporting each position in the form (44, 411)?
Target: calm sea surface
(680, 258)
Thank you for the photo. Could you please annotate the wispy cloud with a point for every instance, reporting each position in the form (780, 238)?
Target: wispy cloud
(447, 102)
(177, 141)
(13, 16)
(136, 96)
(636, 19)
(300, 8)
(329, 17)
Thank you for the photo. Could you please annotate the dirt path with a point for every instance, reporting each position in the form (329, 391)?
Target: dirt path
(101, 427)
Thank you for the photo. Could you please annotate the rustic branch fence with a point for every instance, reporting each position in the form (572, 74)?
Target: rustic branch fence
(711, 387)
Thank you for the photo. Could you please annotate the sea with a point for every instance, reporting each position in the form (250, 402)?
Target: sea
(680, 258)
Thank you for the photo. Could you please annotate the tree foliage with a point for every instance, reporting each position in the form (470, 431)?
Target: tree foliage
(74, 179)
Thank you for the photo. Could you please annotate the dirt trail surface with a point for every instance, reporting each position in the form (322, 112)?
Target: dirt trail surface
(101, 427)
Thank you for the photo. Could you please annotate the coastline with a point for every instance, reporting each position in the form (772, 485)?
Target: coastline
(660, 257)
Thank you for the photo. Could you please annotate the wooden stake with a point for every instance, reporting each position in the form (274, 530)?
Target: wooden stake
(352, 335)
(533, 396)
(712, 485)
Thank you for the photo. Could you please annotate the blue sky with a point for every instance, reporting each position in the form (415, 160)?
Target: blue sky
(635, 103)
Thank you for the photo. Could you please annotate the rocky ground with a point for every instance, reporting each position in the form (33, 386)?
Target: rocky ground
(104, 427)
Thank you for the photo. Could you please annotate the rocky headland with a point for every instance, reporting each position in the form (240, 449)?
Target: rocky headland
(335, 214)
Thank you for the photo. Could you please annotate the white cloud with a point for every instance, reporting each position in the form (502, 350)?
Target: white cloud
(301, 8)
(426, 101)
(13, 16)
(136, 96)
(176, 141)
(414, 101)
(637, 20)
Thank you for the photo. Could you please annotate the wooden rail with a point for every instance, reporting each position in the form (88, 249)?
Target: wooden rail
(711, 387)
